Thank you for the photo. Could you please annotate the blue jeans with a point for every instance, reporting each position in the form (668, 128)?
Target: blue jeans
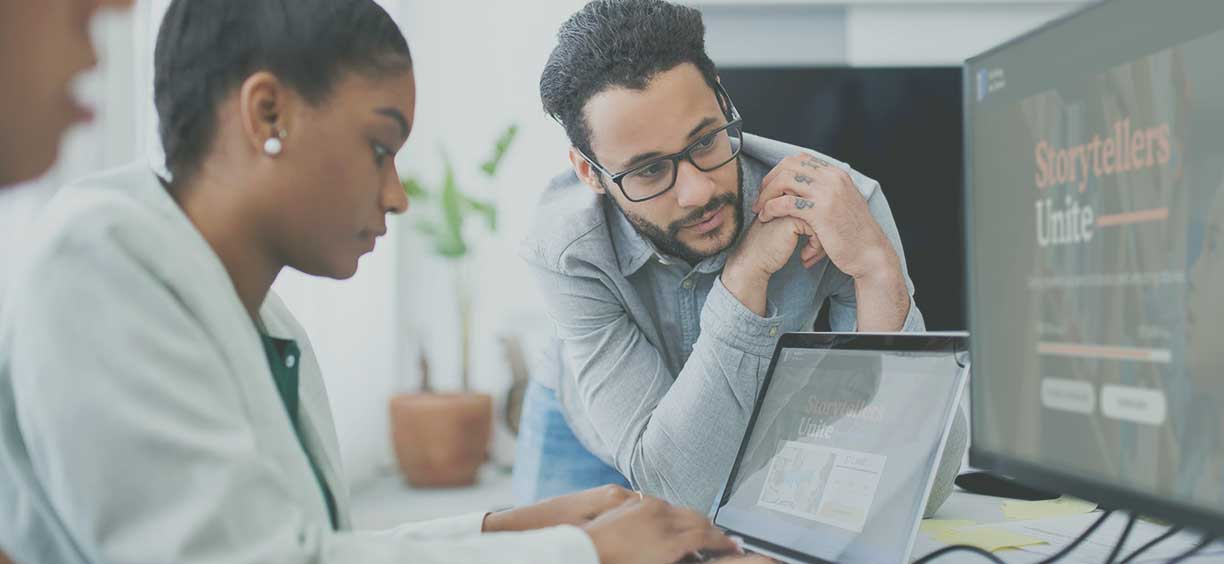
(550, 461)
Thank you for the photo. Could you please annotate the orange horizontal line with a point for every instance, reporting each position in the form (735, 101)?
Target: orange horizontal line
(1144, 216)
(1104, 352)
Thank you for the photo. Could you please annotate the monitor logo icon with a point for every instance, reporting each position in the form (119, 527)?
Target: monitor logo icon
(983, 84)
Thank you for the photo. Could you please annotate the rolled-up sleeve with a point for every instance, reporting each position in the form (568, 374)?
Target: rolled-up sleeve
(730, 321)
(667, 434)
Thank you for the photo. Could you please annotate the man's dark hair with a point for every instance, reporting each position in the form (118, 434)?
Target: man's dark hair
(618, 43)
(206, 49)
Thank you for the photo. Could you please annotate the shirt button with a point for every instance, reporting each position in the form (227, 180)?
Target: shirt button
(688, 284)
(290, 361)
(773, 331)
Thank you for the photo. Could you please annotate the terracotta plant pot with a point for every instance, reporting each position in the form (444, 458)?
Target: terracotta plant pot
(441, 440)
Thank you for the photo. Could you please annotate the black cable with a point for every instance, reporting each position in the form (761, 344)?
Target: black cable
(967, 548)
(1117, 549)
(1207, 539)
(1075, 543)
(1164, 537)
(958, 548)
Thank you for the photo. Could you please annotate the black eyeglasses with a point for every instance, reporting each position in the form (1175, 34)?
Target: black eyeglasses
(655, 177)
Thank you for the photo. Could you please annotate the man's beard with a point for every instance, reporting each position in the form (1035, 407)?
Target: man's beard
(668, 242)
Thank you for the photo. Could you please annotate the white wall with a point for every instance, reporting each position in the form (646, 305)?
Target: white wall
(866, 32)
(771, 35)
(478, 65)
(939, 34)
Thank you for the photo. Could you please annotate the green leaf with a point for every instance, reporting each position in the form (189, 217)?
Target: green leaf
(427, 228)
(500, 148)
(414, 189)
(452, 244)
(452, 249)
(448, 207)
(486, 209)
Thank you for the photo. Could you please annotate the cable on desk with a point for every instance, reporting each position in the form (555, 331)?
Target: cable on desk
(1065, 551)
(1164, 537)
(1117, 549)
(1075, 543)
(1207, 539)
(958, 548)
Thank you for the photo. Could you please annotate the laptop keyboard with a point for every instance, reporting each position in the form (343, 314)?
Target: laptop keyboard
(700, 557)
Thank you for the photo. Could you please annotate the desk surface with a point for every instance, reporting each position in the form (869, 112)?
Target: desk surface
(389, 502)
(1059, 532)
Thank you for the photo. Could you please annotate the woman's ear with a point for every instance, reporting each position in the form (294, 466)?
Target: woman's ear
(264, 102)
(586, 173)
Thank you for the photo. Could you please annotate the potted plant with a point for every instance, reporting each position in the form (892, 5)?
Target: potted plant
(442, 439)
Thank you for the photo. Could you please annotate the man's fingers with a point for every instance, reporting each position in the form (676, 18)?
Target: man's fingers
(768, 180)
(815, 247)
(788, 206)
(812, 252)
(786, 178)
(796, 175)
(786, 182)
(780, 168)
(795, 163)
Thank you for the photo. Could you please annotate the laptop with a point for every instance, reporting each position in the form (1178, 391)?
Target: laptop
(842, 448)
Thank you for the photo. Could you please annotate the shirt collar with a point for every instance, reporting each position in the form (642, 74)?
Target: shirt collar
(632, 250)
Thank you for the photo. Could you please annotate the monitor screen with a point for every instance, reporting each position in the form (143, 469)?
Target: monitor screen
(1095, 215)
(842, 450)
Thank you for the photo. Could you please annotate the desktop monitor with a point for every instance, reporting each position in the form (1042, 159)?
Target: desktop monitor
(1095, 255)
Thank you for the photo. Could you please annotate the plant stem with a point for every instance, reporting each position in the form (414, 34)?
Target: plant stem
(426, 384)
(465, 321)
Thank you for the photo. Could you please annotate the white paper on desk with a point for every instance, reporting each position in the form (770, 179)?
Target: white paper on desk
(827, 485)
(1061, 531)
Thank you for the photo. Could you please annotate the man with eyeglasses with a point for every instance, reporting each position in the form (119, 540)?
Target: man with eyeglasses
(674, 255)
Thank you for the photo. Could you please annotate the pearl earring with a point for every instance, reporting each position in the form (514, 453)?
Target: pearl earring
(273, 146)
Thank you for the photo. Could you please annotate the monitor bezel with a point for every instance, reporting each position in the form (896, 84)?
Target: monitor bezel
(1090, 488)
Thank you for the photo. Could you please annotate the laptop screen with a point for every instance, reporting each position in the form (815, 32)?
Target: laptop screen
(842, 449)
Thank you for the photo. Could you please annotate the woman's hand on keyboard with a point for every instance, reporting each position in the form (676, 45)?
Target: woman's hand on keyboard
(575, 509)
(650, 531)
(746, 559)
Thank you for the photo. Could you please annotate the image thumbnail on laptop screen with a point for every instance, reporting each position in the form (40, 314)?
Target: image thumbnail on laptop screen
(840, 456)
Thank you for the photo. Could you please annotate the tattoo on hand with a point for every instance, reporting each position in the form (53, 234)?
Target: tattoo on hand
(813, 162)
(803, 178)
(802, 204)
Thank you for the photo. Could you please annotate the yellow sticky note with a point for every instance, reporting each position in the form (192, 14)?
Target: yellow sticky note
(986, 538)
(933, 526)
(1061, 507)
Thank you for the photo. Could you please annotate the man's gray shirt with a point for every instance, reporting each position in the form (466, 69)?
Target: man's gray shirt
(660, 364)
